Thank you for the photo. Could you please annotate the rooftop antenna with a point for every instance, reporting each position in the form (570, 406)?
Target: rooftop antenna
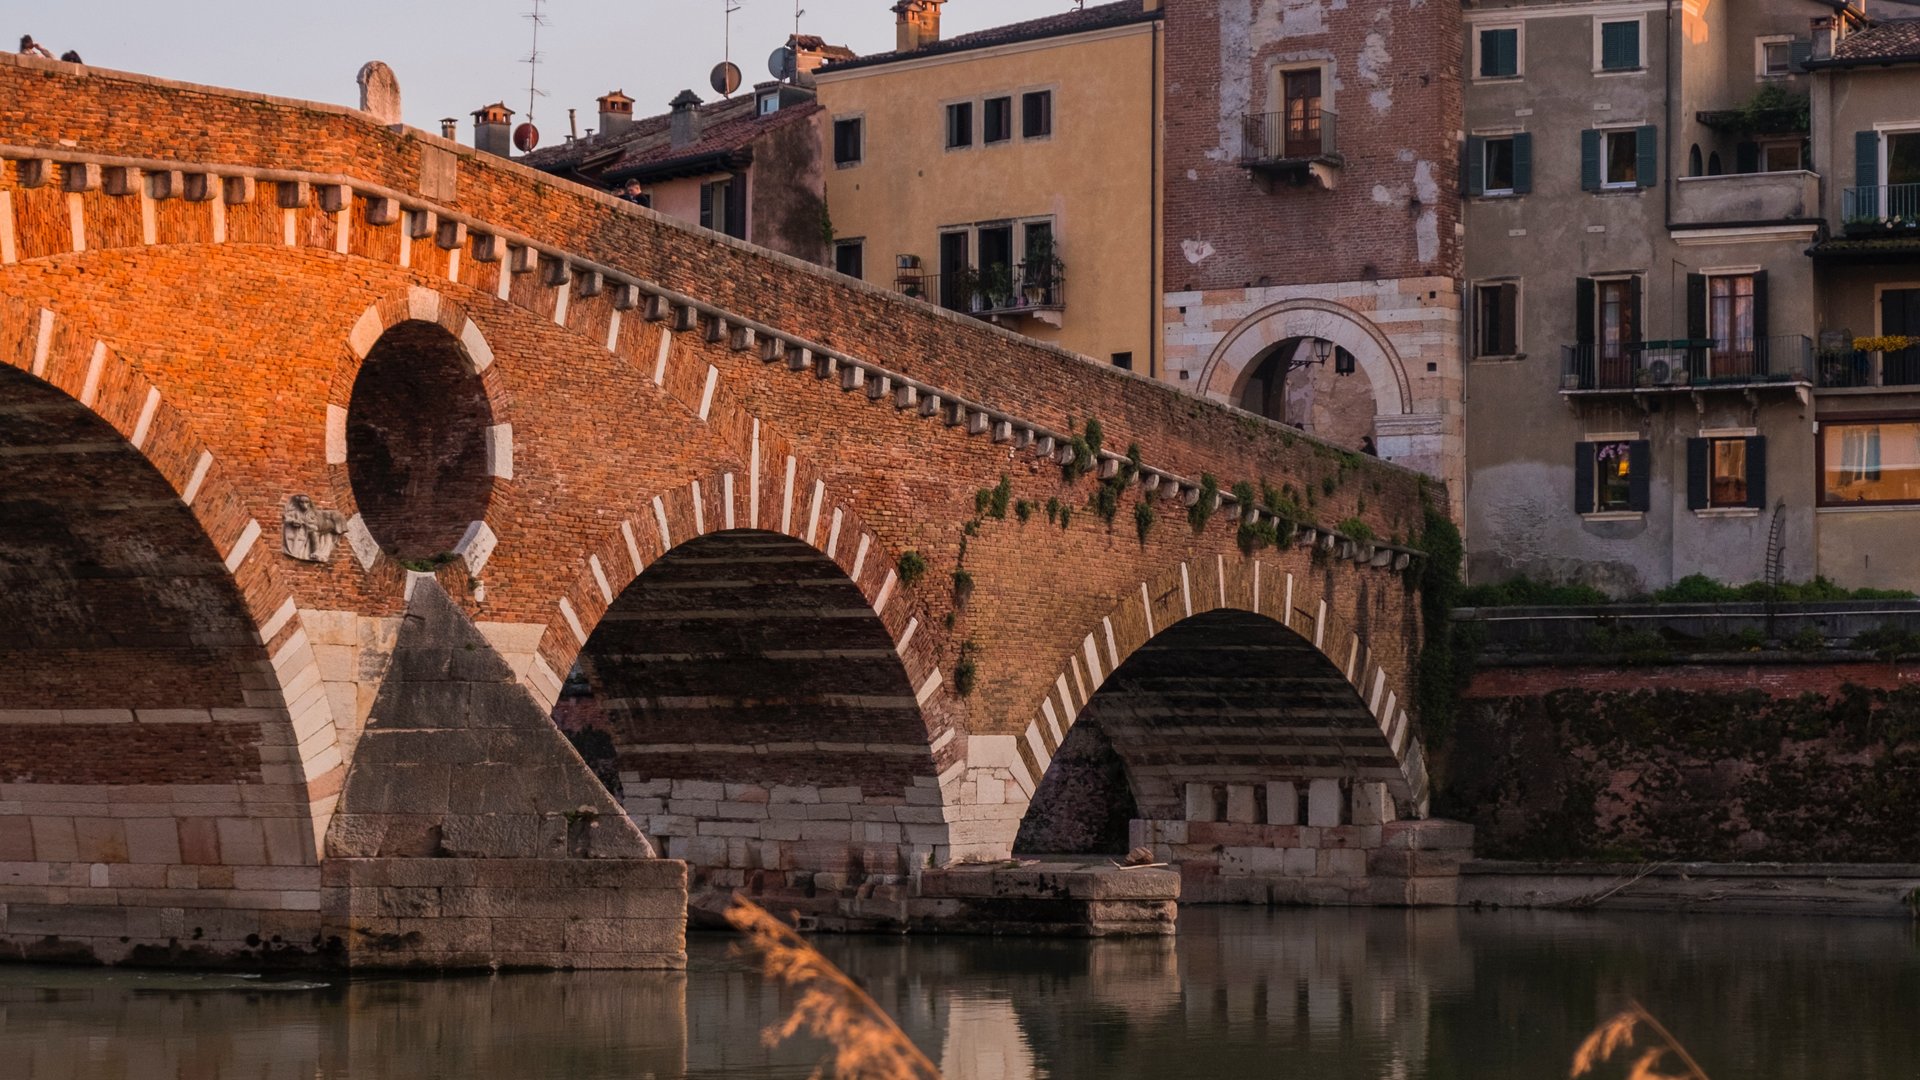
(538, 19)
(726, 77)
(797, 12)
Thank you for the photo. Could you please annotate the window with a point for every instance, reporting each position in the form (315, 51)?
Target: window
(959, 125)
(769, 103)
(850, 258)
(1036, 114)
(1123, 361)
(1866, 463)
(1620, 45)
(1500, 52)
(1778, 57)
(722, 208)
(1496, 319)
(956, 271)
(1730, 317)
(1040, 265)
(1780, 156)
(997, 265)
(996, 120)
(1727, 472)
(1900, 317)
(1301, 111)
(1607, 331)
(1499, 164)
(846, 142)
(1619, 159)
(1612, 477)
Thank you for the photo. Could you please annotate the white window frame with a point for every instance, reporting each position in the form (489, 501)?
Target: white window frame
(1519, 51)
(1607, 132)
(1277, 73)
(1760, 72)
(1598, 54)
(1486, 138)
(1892, 127)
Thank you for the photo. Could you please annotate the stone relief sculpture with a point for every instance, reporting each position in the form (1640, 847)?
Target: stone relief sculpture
(309, 533)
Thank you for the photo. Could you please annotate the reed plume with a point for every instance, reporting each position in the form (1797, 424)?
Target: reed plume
(867, 1044)
(1619, 1033)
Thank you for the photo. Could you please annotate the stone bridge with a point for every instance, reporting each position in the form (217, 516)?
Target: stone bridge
(338, 462)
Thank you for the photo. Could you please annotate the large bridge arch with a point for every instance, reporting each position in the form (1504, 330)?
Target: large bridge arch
(162, 725)
(1224, 621)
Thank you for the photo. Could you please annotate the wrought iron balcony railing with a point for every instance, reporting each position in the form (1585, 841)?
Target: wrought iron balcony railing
(1289, 138)
(1683, 364)
(1880, 207)
(1855, 368)
(967, 292)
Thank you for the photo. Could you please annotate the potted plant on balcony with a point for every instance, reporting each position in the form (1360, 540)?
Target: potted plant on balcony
(960, 289)
(996, 287)
(1040, 275)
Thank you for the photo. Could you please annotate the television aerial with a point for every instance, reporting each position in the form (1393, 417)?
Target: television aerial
(725, 78)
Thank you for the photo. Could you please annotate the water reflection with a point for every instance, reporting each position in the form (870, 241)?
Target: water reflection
(1323, 994)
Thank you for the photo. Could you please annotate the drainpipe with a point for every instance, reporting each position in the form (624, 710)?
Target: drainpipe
(1156, 321)
(1672, 184)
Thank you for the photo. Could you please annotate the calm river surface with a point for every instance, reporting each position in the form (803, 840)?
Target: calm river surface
(1239, 993)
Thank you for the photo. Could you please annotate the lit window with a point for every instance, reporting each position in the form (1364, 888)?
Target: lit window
(1499, 162)
(1612, 477)
(1622, 158)
(1727, 472)
(1870, 463)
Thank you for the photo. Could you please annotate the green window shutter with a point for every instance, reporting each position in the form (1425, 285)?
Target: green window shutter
(1590, 160)
(1583, 313)
(1866, 175)
(1509, 320)
(1499, 53)
(1640, 475)
(1583, 478)
(1620, 46)
(1522, 163)
(1699, 472)
(1757, 472)
(1476, 170)
(1647, 142)
(1760, 305)
(1696, 307)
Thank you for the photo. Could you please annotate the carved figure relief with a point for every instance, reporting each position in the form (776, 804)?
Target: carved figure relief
(309, 533)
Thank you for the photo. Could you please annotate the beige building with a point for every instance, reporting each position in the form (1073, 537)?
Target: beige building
(1010, 173)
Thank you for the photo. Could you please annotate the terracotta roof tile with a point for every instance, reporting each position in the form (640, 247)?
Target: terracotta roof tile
(1070, 22)
(1894, 40)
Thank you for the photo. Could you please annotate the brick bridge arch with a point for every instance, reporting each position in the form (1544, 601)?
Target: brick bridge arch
(189, 742)
(233, 246)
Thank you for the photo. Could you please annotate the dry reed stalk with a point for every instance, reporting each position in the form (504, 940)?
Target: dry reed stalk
(1618, 1034)
(867, 1044)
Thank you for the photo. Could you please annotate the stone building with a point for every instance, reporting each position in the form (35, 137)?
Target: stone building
(748, 166)
(1312, 243)
(1655, 364)
(1008, 173)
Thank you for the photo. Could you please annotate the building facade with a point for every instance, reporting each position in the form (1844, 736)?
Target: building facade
(1643, 181)
(1008, 173)
(1313, 246)
(747, 166)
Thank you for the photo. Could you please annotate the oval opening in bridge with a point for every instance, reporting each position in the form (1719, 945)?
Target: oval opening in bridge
(417, 442)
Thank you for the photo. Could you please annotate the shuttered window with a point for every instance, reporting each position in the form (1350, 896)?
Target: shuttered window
(1727, 473)
(1620, 45)
(1036, 114)
(1612, 477)
(960, 125)
(1500, 53)
(1496, 322)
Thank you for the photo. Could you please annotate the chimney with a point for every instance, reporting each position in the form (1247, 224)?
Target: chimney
(685, 123)
(450, 127)
(918, 25)
(493, 129)
(616, 113)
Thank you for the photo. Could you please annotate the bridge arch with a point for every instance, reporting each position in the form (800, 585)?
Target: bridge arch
(1234, 359)
(1230, 634)
(158, 661)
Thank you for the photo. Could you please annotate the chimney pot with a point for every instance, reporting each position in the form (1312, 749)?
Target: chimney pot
(684, 125)
(616, 113)
(450, 127)
(917, 24)
(493, 129)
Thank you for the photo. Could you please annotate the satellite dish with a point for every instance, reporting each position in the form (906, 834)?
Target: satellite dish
(725, 78)
(526, 137)
(780, 64)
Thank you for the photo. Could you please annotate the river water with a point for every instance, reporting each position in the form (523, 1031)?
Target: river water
(1379, 995)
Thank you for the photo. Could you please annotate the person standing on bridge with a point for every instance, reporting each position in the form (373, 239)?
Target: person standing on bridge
(30, 47)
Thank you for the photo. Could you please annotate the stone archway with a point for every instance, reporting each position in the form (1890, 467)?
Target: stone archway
(1230, 364)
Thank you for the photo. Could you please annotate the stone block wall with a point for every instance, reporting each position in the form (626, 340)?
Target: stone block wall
(1320, 843)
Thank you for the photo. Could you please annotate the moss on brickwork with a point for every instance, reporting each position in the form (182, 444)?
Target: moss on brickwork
(1677, 774)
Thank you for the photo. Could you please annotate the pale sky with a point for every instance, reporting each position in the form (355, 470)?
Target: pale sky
(453, 56)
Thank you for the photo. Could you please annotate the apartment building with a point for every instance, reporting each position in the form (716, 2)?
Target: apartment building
(1313, 244)
(1009, 173)
(1650, 348)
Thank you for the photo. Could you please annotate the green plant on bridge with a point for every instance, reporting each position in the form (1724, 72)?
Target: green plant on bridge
(911, 567)
(1202, 510)
(1143, 516)
(1106, 499)
(1356, 530)
(1023, 510)
(1085, 447)
(965, 671)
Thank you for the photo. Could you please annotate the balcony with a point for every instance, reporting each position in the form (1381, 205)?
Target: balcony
(1857, 369)
(1882, 208)
(1647, 367)
(1298, 148)
(1037, 294)
(1747, 199)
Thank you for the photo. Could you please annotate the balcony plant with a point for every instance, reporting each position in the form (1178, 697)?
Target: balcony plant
(996, 287)
(1040, 275)
(960, 289)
